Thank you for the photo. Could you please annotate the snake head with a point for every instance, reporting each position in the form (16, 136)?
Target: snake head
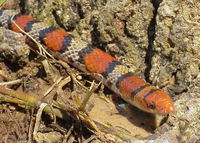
(157, 102)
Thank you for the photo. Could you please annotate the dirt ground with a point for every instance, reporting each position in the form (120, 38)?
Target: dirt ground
(18, 119)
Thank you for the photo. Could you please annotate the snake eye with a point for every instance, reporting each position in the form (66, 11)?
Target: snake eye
(152, 105)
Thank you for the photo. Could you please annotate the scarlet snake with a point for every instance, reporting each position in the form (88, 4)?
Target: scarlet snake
(87, 58)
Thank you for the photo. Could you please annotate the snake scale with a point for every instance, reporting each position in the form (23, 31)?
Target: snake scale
(88, 58)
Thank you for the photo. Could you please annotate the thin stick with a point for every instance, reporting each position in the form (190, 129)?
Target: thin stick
(11, 82)
(68, 134)
(50, 89)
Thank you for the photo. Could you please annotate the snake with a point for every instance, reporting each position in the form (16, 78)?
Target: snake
(90, 59)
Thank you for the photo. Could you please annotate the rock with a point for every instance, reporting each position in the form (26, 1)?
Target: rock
(51, 137)
(176, 64)
(13, 47)
(176, 60)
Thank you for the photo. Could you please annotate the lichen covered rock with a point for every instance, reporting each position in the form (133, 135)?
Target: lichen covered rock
(13, 47)
(175, 65)
(176, 61)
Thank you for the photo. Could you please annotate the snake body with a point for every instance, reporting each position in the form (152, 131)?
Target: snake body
(87, 58)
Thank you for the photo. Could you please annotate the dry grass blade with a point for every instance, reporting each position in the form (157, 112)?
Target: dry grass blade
(43, 52)
(49, 90)
(38, 118)
(48, 69)
(30, 100)
(87, 96)
(11, 100)
(90, 139)
(63, 83)
(11, 82)
(110, 130)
